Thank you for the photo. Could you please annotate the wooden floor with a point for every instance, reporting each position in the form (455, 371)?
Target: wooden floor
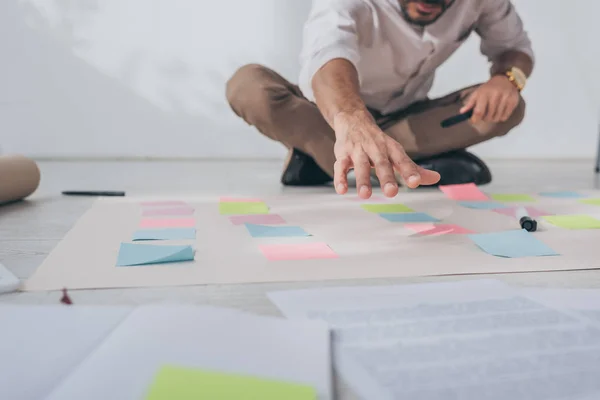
(29, 230)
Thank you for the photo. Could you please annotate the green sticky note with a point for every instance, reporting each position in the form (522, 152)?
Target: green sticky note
(574, 221)
(242, 208)
(513, 198)
(593, 202)
(176, 383)
(387, 208)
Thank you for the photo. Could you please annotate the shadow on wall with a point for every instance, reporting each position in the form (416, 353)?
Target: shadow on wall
(136, 78)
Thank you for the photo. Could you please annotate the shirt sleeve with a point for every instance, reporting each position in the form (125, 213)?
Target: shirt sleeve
(331, 32)
(501, 28)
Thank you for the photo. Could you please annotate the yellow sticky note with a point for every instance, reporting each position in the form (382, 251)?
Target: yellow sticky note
(387, 208)
(574, 221)
(592, 202)
(178, 383)
(243, 208)
(513, 198)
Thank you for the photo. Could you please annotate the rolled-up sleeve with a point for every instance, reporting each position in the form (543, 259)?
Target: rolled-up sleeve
(330, 32)
(501, 29)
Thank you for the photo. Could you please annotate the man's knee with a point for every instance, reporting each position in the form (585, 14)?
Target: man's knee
(254, 88)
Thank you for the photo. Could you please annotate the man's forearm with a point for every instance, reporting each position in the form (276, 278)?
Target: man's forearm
(336, 90)
(512, 58)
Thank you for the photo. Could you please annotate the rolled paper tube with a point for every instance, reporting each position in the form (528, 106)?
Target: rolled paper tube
(19, 178)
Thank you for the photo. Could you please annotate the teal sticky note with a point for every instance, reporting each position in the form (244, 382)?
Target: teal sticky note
(275, 231)
(165, 234)
(133, 254)
(409, 217)
(562, 195)
(512, 244)
(482, 205)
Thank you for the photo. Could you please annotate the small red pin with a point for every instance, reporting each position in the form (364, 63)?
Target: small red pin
(65, 299)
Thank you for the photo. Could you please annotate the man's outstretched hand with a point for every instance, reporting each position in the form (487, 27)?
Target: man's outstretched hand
(361, 145)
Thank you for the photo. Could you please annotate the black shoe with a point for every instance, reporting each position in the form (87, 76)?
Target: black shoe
(458, 167)
(301, 170)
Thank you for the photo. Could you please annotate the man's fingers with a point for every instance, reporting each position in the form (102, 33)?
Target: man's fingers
(362, 171)
(480, 109)
(340, 174)
(428, 177)
(407, 168)
(495, 107)
(471, 101)
(385, 173)
(511, 105)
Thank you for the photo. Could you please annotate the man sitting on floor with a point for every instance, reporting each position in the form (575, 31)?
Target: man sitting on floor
(362, 103)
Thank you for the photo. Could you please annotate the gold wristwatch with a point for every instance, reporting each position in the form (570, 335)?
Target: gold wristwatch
(517, 77)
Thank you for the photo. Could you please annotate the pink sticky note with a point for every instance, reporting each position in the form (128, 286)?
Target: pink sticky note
(168, 203)
(168, 211)
(306, 251)
(468, 191)
(260, 219)
(511, 212)
(430, 229)
(168, 223)
(239, 200)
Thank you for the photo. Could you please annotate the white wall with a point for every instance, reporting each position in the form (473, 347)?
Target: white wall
(146, 77)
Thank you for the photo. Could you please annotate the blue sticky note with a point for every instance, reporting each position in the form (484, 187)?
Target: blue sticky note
(562, 195)
(275, 231)
(512, 244)
(165, 234)
(409, 217)
(482, 205)
(132, 254)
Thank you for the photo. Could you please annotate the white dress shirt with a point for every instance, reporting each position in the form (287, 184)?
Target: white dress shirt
(396, 60)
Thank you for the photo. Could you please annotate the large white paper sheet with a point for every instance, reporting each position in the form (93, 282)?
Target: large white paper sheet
(368, 245)
(460, 341)
(40, 345)
(228, 341)
(582, 301)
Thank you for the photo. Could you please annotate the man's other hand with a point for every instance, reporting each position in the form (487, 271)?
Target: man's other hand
(361, 145)
(494, 101)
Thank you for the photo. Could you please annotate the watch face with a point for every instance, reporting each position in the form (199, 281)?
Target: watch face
(519, 76)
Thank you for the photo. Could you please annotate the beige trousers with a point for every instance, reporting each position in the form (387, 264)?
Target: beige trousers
(277, 108)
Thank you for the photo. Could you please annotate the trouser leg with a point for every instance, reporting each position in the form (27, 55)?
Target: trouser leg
(277, 108)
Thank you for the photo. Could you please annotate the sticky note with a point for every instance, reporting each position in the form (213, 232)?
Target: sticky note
(300, 251)
(574, 221)
(512, 244)
(168, 223)
(592, 202)
(168, 203)
(468, 191)
(513, 198)
(409, 217)
(482, 205)
(183, 210)
(177, 383)
(240, 200)
(564, 195)
(165, 234)
(512, 212)
(275, 231)
(437, 229)
(265, 219)
(241, 208)
(132, 254)
(387, 208)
